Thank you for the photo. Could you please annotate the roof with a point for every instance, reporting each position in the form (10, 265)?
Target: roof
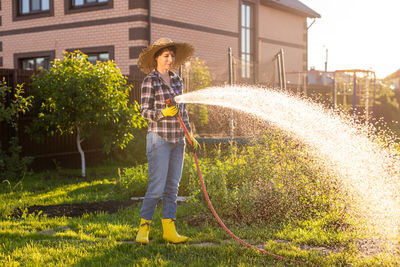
(292, 6)
(394, 75)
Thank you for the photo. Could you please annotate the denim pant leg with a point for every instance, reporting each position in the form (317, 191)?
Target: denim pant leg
(158, 156)
(174, 176)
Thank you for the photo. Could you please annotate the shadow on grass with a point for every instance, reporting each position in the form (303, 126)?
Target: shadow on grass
(93, 192)
(160, 253)
(15, 240)
(82, 193)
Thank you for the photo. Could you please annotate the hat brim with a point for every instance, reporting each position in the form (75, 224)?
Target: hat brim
(146, 62)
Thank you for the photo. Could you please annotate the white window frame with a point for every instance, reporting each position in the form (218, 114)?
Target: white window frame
(246, 39)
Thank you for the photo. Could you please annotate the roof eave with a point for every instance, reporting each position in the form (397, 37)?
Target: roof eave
(279, 6)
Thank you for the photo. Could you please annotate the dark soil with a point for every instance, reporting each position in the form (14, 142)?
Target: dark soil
(76, 210)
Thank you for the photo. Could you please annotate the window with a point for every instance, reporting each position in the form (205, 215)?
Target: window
(78, 3)
(31, 9)
(35, 63)
(74, 6)
(34, 60)
(94, 57)
(97, 53)
(33, 6)
(246, 36)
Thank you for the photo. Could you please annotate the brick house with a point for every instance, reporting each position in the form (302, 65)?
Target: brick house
(34, 32)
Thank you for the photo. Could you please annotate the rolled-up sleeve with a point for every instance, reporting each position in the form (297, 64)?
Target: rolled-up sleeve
(148, 110)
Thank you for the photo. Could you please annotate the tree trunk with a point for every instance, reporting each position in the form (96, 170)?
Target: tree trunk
(78, 143)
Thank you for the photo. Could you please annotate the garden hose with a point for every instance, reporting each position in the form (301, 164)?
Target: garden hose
(220, 222)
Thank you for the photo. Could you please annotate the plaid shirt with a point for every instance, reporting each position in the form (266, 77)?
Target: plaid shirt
(154, 94)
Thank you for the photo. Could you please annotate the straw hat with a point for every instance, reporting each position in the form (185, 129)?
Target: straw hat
(147, 63)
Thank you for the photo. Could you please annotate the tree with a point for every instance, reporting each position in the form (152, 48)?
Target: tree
(76, 97)
(12, 165)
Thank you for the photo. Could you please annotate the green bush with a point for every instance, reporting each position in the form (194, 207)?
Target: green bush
(135, 151)
(273, 180)
(12, 164)
(133, 181)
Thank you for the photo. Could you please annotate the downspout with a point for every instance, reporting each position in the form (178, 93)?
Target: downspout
(149, 21)
(309, 26)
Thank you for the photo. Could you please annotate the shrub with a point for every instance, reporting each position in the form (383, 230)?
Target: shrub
(273, 180)
(135, 151)
(133, 181)
(12, 164)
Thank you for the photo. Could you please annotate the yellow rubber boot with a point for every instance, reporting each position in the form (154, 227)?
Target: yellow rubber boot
(169, 232)
(143, 233)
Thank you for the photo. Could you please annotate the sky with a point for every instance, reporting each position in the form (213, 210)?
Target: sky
(359, 34)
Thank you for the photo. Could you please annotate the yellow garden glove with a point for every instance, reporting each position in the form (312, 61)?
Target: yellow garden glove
(169, 111)
(195, 145)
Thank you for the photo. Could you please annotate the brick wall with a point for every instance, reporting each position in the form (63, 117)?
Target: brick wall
(221, 14)
(211, 26)
(280, 25)
(279, 29)
(18, 36)
(120, 9)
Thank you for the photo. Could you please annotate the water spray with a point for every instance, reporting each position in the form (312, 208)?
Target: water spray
(171, 102)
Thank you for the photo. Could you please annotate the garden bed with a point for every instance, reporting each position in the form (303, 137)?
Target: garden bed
(76, 209)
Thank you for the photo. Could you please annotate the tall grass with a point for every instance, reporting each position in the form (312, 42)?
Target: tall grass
(272, 180)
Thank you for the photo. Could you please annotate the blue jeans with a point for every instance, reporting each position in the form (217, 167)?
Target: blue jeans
(165, 170)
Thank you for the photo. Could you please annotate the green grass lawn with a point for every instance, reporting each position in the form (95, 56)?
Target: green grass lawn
(102, 239)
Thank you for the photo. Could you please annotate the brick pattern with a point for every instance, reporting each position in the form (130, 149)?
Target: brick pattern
(134, 51)
(120, 9)
(210, 46)
(222, 14)
(106, 35)
(282, 26)
(139, 33)
(116, 35)
(138, 4)
(286, 28)
(128, 38)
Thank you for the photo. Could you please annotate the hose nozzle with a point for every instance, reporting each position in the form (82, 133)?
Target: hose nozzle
(170, 102)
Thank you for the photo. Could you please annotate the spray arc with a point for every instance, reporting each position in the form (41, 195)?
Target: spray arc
(220, 222)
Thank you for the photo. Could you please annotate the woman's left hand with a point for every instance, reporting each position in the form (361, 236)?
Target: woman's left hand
(195, 145)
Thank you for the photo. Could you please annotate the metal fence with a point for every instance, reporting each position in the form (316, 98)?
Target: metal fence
(58, 150)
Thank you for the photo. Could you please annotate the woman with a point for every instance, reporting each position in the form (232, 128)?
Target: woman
(165, 138)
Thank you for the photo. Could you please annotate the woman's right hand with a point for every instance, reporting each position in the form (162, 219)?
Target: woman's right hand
(170, 111)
